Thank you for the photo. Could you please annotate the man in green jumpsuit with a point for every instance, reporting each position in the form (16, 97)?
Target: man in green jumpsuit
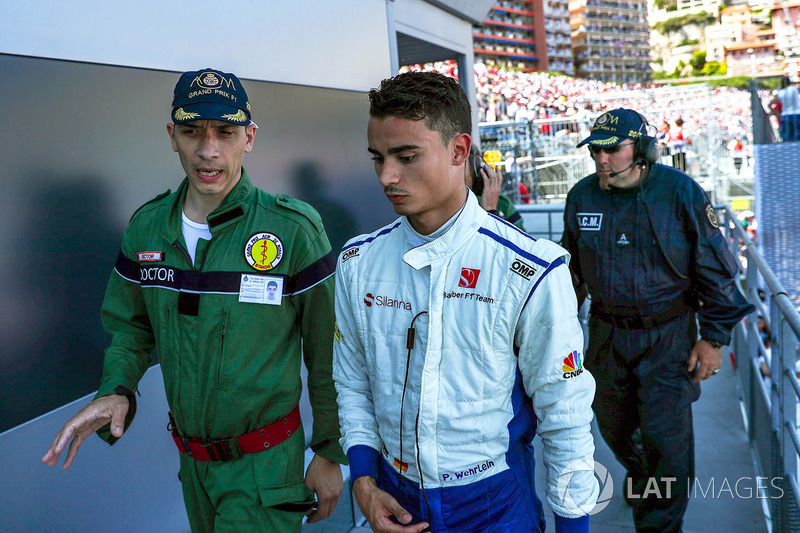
(231, 285)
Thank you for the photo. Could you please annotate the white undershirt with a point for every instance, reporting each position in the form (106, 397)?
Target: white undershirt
(192, 232)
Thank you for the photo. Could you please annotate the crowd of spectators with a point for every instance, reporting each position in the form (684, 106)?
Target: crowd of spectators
(505, 94)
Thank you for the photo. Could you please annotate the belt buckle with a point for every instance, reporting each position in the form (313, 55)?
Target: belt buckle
(648, 322)
(625, 322)
(223, 449)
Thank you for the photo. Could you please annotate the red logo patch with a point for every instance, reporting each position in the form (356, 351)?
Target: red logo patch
(150, 256)
(469, 278)
(369, 299)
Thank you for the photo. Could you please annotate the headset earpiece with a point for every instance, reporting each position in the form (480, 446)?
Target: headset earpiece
(646, 147)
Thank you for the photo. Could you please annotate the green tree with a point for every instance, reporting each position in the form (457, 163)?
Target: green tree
(671, 25)
(714, 68)
(698, 61)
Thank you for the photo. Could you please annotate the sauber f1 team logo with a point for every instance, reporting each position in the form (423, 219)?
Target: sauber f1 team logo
(263, 251)
(573, 365)
(469, 278)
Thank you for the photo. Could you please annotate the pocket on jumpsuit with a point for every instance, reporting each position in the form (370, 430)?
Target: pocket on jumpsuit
(293, 498)
(279, 474)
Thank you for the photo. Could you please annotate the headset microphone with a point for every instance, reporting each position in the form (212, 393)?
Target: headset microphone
(641, 162)
(612, 174)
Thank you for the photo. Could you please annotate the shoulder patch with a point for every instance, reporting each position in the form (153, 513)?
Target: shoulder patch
(157, 198)
(293, 204)
(712, 216)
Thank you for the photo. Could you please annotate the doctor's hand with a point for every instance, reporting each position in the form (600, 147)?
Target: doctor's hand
(98, 413)
(377, 506)
(324, 478)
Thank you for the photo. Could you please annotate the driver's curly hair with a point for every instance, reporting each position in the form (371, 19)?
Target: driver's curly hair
(435, 98)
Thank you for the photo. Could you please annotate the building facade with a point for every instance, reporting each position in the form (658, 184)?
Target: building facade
(529, 35)
(611, 40)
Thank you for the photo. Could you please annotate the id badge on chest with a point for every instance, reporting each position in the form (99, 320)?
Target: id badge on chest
(255, 289)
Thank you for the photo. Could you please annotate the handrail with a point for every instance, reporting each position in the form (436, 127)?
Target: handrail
(777, 444)
(775, 287)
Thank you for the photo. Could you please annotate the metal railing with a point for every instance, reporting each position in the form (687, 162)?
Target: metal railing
(770, 391)
(541, 154)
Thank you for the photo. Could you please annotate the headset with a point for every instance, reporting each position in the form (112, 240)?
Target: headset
(645, 148)
(475, 164)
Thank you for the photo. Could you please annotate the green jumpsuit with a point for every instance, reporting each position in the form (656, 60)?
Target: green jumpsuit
(230, 350)
(507, 211)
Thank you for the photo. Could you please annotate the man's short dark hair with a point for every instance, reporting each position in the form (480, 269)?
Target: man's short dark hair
(435, 98)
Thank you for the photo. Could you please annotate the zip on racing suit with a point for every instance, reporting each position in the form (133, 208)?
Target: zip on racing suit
(497, 347)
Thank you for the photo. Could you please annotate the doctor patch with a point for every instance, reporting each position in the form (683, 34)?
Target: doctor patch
(263, 251)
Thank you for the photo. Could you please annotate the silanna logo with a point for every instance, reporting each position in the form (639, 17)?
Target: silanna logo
(469, 278)
(573, 365)
(385, 301)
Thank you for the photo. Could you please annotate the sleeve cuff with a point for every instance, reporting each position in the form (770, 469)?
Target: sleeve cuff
(572, 525)
(330, 449)
(105, 431)
(364, 461)
(710, 335)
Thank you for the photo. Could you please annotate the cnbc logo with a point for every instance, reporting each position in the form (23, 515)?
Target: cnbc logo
(573, 365)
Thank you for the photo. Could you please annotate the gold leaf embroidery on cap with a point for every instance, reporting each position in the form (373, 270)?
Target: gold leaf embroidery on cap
(604, 142)
(180, 114)
(239, 116)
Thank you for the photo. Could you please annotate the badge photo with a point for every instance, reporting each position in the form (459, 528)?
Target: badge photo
(257, 289)
(263, 251)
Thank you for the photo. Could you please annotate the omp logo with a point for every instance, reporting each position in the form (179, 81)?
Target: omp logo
(469, 278)
(590, 221)
(573, 365)
(349, 254)
(522, 268)
(385, 301)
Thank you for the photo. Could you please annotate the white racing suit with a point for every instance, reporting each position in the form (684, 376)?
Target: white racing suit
(496, 339)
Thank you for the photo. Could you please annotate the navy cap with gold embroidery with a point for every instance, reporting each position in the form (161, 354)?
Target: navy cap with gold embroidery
(210, 94)
(612, 127)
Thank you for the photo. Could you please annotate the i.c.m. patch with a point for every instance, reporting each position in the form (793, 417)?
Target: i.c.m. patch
(589, 221)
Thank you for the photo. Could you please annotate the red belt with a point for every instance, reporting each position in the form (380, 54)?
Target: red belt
(234, 447)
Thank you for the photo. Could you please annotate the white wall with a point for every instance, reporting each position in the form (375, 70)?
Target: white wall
(342, 44)
(426, 22)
